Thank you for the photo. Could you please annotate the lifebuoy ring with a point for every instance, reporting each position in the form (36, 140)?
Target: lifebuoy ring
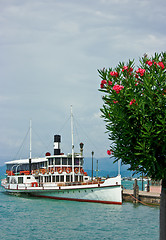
(68, 170)
(34, 184)
(76, 170)
(82, 170)
(60, 170)
(52, 171)
(36, 172)
(43, 171)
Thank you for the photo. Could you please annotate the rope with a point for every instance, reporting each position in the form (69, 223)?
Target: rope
(19, 150)
(150, 205)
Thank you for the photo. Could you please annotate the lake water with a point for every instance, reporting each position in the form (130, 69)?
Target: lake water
(36, 219)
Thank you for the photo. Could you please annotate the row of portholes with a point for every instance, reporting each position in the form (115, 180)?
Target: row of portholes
(73, 191)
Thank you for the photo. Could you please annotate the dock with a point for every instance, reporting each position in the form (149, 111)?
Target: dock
(136, 196)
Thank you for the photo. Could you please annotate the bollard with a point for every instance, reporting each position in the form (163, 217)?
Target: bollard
(148, 186)
(135, 191)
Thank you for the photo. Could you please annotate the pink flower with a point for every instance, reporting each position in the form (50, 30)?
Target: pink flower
(114, 74)
(125, 68)
(161, 65)
(136, 76)
(132, 101)
(115, 101)
(140, 71)
(109, 83)
(117, 88)
(109, 152)
(150, 63)
(103, 82)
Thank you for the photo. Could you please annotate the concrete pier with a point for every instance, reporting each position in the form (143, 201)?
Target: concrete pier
(150, 198)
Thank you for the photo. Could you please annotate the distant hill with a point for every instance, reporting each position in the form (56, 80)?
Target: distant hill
(2, 171)
(105, 164)
(106, 167)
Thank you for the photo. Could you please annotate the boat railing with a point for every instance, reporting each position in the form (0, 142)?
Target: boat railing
(36, 185)
(79, 183)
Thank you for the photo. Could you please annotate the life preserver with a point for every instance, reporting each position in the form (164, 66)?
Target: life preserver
(34, 184)
(76, 170)
(43, 171)
(82, 170)
(60, 170)
(68, 170)
(37, 172)
(52, 171)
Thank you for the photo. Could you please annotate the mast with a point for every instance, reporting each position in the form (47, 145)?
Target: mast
(118, 167)
(97, 169)
(30, 147)
(30, 144)
(72, 138)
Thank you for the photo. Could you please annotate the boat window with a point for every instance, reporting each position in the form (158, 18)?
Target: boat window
(64, 161)
(9, 167)
(7, 179)
(81, 161)
(41, 165)
(57, 178)
(46, 178)
(34, 166)
(69, 161)
(81, 178)
(57, 161)
(76, 178)
(49, 178)
(20, 179)
(53, 178)
(76, 161)
(50, 161)
(62, 178)
(68, 178)
(28, 177)
(13, 180)
(26, 167)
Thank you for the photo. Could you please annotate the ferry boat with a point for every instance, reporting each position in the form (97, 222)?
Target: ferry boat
(60, 177)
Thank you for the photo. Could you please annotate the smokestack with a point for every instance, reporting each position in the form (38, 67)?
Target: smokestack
(57, 140)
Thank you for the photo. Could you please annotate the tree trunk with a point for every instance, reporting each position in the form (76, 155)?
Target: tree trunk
(163, 211)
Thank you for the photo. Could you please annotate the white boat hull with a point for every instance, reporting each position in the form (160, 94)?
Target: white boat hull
(109, 195)
(108, 192)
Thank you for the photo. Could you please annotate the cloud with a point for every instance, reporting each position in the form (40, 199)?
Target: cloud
(50, 53)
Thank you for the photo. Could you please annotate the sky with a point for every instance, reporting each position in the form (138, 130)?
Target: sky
(49, 55)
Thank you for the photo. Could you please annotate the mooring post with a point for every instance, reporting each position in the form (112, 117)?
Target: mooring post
(148, 186)
(135, 191)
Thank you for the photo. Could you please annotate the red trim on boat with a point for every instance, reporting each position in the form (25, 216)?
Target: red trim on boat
(78, 200)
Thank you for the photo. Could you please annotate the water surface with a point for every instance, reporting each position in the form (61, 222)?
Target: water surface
(36, 218)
